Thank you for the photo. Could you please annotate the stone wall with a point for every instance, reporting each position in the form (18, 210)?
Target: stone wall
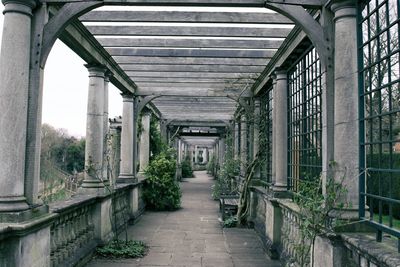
(276, 220)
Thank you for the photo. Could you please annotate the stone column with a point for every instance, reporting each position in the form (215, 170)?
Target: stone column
(163, 130)
(179, 150)
(256, 135)
(106, 158)
(196, 154)
(281, 146)
(128, 143)
(14, 84)
(243, 144)
(94, 150)
(144, 145)
(273, 168)
(346, 103)
(221, 150)
(115, 151)
(205, 157)
(236, 136)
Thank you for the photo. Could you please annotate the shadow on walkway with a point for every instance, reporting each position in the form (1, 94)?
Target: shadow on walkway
(193, 236)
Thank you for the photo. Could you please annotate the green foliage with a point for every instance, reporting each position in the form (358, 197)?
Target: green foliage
(123, 249)
(228, 172)
(316, 213)
(156, 143)
(211, 165)
(231, 222)
(161, 191)
(187, 171)
(64, 151)
(226, 175)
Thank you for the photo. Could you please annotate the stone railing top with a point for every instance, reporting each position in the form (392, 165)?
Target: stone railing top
(365, 244)
(79, 200)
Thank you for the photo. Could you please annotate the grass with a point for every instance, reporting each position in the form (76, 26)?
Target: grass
(385, 221)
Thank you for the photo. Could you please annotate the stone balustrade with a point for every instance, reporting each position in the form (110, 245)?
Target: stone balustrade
(291, 239)
(72, 232)
(82, 222)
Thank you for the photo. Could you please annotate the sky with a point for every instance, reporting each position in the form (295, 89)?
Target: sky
(66, 88)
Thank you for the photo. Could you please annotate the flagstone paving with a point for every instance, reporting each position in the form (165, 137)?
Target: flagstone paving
(193, 236)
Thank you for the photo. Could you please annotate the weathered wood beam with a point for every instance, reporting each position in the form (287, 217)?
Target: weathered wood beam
(203, 69)
(189, 91)
(192, 60)
(185, 16)
(188, 43)
(76, 37)
(200, 134)
(197, 123)
(148, 52)
(313, 4)
(150, 80)
(194, 100)
(221, 3)
(191, 75)
(189, 31)
(171, 85)
(211, 116)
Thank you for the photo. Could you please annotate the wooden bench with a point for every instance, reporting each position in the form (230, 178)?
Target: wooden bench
(228, 205)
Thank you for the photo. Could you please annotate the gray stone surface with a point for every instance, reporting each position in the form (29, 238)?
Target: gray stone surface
(14, 82)
(193, 236)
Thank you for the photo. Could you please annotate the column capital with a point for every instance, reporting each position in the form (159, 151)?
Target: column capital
(107, 76)
(344, 8)
(257, 102)
(96, 70)
(280, 74)
(127, 97)
(19, 6)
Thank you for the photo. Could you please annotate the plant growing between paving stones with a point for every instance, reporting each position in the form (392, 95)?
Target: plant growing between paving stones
(129, 249)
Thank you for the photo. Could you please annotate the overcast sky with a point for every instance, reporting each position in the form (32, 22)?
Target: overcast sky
(66, 88)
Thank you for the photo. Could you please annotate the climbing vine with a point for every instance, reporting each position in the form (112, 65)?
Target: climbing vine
(318, 213)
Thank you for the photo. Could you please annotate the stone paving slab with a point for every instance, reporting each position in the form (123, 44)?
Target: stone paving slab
(193, 236)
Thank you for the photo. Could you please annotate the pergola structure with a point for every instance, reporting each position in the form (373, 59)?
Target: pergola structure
(282, 77)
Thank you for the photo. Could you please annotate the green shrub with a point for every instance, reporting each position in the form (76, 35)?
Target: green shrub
(161, 191)
(187, 171)
(231, 222)
(123, 249)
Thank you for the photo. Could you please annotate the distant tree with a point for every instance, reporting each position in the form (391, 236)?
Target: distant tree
(64, 151)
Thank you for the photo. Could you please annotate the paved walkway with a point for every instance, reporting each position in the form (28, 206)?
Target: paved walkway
(193, 236)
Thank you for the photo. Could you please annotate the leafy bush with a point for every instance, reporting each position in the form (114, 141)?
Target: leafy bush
(187, 171)
(161, 191)
(123, 249)
(226, 175)
(211, 165)
(231, 222)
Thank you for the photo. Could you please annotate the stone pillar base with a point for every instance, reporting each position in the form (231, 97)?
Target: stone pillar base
(327, 252)
(141, 176)
(28, 243)
(126, 179)
(11, 204)
(23, 216)
(273, 224)
(102, 221)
